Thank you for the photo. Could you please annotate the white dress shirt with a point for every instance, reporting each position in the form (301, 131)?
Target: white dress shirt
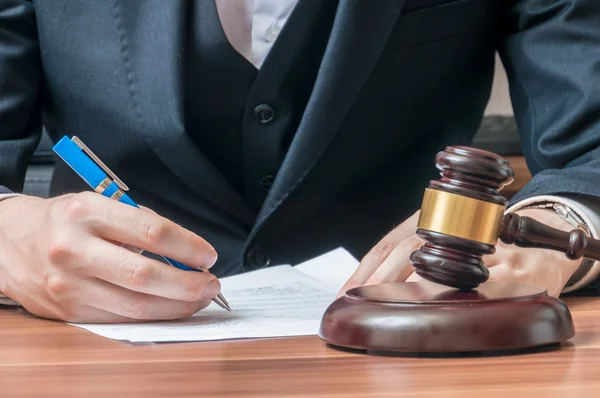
(252, 26)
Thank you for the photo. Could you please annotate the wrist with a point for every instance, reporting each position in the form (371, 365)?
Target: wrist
(8, 203)
(13, 208)
(553, 219)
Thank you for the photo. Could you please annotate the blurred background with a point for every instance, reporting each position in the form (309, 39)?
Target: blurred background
(500, 101)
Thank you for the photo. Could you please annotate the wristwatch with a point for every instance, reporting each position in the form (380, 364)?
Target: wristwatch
(573, 219)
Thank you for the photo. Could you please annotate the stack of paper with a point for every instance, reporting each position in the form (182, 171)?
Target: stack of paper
(273, 302)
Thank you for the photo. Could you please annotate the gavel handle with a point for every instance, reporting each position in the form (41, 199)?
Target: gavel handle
(526, 232)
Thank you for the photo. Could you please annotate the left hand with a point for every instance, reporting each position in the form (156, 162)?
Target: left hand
(389, 260)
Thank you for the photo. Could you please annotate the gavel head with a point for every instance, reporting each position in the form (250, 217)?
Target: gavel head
(461, 217)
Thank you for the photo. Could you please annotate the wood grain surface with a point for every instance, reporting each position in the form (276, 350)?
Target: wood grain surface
(40, 358)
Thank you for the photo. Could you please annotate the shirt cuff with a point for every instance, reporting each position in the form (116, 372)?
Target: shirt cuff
(3, 299)
(588, 209)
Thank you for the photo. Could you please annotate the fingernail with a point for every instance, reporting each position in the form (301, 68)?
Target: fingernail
(213, 289)
(211, 258)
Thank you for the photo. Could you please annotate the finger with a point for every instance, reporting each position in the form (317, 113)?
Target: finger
(135, 249)
(502, 272)
(138, 273)
(142, 229)
(82, 314)
(149, 210)
(86, 314)
(72, 313)
(397, 266)
(379, 253)
(123, 245)
(501, 252)
(414, 277)
(548, 278)
(127, 304)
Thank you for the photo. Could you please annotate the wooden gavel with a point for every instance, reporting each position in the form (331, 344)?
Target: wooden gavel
(462, 217)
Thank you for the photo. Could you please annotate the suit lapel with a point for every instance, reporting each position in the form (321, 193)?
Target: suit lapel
(359, 33)
(153, 42)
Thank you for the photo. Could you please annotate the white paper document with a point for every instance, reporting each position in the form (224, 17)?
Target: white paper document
(273, 302)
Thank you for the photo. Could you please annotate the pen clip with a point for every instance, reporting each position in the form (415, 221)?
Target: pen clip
(100, 164)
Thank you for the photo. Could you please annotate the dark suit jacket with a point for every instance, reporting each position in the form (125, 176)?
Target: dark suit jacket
(400, 80)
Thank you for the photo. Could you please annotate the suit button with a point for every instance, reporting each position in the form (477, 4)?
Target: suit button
(267, 182)
(264, 113)
(257, 257)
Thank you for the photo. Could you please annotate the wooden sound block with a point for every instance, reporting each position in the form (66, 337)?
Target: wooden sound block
(426, 317)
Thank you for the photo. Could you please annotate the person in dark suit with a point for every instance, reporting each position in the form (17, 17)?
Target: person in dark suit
(271, 133)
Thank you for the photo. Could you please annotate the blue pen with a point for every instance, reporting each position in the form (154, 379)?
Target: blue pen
(98, 176)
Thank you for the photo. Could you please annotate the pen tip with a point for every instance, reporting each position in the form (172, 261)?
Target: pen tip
(221, 302)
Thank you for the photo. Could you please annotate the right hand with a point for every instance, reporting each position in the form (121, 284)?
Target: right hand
(63, 258)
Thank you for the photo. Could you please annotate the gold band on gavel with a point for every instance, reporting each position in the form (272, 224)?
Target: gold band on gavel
(461, 216)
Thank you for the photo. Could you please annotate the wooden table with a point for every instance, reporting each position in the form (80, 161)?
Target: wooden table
(48, 359)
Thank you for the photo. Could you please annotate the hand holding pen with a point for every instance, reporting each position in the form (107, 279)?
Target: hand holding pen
(60, 261)
(62, 258)
(98, 176)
